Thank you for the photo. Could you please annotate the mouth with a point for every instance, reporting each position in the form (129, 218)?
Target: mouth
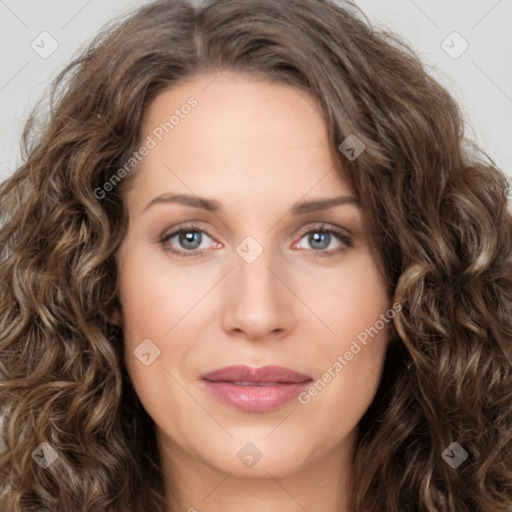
(250, 383)
(245, 375)
(255, 389)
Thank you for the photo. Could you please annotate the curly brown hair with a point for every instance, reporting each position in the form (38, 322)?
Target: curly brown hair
(434, 203)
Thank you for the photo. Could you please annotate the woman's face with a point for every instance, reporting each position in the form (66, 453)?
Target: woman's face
(261, 275)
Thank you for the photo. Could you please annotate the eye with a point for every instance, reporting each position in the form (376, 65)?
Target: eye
(319, 238)
(190, 238)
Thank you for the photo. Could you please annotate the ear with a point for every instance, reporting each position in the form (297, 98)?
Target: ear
(115, 316)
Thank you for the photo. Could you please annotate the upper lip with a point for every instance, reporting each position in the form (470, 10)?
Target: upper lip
(242, 373)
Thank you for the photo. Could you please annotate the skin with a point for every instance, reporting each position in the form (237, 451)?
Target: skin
(257, 147)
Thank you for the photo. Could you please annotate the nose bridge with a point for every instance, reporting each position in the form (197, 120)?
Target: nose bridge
(257, 302)
(255, 281)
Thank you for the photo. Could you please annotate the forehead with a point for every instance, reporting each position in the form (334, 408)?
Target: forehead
(241, 132)
(247, 109)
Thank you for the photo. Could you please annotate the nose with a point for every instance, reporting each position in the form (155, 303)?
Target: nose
(258, 301)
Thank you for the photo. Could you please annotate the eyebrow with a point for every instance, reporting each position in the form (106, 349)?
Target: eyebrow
(214, 206)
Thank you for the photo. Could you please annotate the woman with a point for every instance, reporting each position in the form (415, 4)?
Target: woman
(339, 337)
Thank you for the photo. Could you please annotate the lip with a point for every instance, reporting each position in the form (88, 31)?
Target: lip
(255, 389)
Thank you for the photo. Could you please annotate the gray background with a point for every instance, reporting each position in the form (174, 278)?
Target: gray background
(480, 78)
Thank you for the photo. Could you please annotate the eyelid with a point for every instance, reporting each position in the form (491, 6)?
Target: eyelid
(324, 226)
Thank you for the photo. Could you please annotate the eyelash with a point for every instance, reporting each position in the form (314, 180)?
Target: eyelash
(321, 228)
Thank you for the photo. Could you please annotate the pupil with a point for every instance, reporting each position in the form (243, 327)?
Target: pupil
(187, 238)
(315, 238)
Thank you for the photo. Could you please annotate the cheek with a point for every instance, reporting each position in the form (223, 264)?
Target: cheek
(349, 359)
(349, 300)
(153, 298)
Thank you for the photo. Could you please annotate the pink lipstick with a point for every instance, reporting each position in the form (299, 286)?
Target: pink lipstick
(255, 389)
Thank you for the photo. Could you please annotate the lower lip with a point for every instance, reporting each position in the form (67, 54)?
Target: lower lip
(255, 398)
